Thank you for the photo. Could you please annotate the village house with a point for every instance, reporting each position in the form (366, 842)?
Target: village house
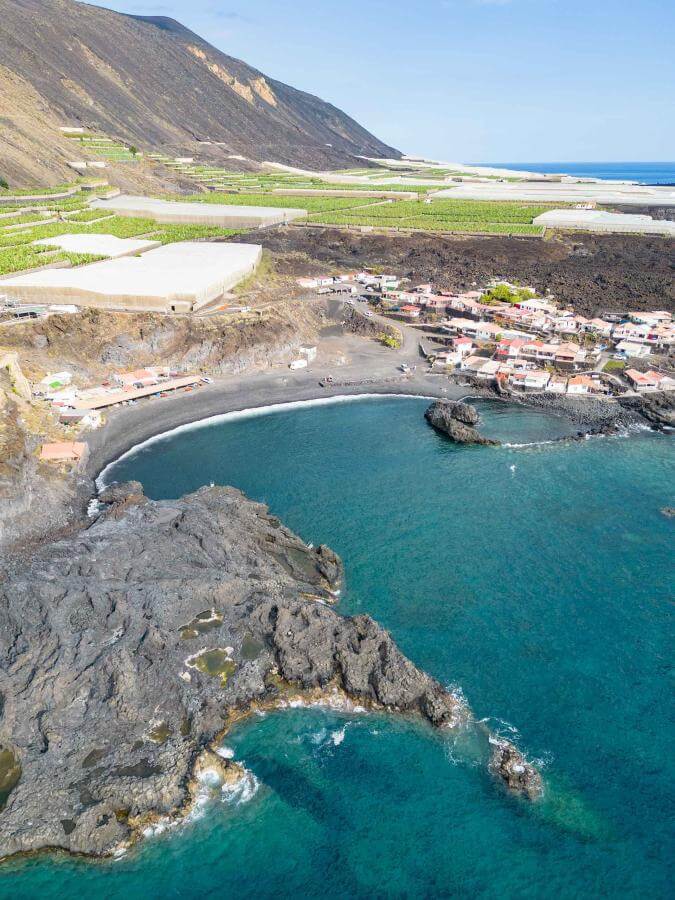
(447, 359)
(434, 303)
(510, 348)
(410, 311)
(649, 381)
(63, 451)
(599, 326)
(142, 377)
(652, 319)
(537, 305)
(535, 379)
(463, 345)
(488, 331)
(459, 325)
(580, 384)
(630, 348)
(557, 384)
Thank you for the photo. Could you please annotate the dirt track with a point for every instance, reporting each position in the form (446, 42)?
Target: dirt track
(594, 273)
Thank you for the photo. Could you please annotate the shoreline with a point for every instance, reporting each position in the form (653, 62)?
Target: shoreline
(129, 427)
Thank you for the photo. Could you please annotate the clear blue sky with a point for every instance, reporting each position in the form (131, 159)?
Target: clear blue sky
(466, 80)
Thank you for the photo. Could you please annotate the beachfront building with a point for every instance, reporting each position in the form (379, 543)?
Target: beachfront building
(580, 384)
(649, 381)
(534, 380)
(63, 451)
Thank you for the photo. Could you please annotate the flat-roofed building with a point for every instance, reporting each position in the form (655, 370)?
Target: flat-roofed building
(597, 220)
(176, 278)
(182, 212)
(63, 451)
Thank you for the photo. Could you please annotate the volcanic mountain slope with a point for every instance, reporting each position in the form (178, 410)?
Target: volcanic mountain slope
(151, 82)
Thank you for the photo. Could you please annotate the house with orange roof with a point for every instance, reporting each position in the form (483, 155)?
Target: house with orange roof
(581, 384)
(63, 451)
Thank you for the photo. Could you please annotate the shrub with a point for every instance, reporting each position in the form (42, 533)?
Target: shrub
(389, 340)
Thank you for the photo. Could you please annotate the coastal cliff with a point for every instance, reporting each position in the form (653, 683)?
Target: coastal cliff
(126, 650)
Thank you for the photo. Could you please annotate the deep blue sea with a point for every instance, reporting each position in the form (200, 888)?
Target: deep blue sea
(537, 578)
(644, 172)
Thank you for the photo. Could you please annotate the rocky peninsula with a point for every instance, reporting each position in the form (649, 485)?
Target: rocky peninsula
(127, 649)
(457, 421)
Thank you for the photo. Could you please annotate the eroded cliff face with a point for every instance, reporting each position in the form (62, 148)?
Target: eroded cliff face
(126, 649)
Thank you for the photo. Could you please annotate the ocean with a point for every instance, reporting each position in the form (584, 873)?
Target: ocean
(643, 172)
(536, 577)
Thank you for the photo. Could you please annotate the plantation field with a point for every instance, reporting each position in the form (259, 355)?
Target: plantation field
(311, 204)
(16, 259)
(17, 251)
(88, 215)
(428, 224)
(445, 215)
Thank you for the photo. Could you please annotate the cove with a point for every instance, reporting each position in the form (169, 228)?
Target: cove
(536, 578)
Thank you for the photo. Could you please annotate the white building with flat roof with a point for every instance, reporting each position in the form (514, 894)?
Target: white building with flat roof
(597, 220)
(182, 212)
(176, 278)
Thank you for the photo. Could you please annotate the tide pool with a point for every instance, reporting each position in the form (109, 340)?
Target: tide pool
(537, 578)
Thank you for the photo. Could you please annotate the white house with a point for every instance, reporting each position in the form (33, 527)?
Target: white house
(630, 348)
(580, 384)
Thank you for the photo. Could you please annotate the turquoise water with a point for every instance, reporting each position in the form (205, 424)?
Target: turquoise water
(643, 172)
(539, 579)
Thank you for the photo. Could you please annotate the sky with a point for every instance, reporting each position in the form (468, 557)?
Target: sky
(466, 80)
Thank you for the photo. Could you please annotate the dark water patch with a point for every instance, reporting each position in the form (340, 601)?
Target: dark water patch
(216, 662)
(94, 757)
(160, 733)
(251, 647)
(142, 769)
(203, 623)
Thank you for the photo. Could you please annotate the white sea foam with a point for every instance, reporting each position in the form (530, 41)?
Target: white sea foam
(94, 508)
(249, 413)
(241, 791)
(338, 736)
(225, 752)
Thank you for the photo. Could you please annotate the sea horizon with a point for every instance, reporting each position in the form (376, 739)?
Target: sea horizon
(645, 172)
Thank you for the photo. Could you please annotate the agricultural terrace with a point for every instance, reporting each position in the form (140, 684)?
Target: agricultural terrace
(220, 179)
(105, 147)
(444, 215)
(311, 204)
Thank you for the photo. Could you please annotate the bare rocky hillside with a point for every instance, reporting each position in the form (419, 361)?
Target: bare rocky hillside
(151, 82)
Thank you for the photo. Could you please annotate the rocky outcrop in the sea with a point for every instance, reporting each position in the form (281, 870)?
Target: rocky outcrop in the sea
(457, 420)
(127, 648)
(507, 763)
(668, 512)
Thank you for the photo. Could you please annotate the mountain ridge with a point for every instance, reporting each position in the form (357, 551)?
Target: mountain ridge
(150, 81)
